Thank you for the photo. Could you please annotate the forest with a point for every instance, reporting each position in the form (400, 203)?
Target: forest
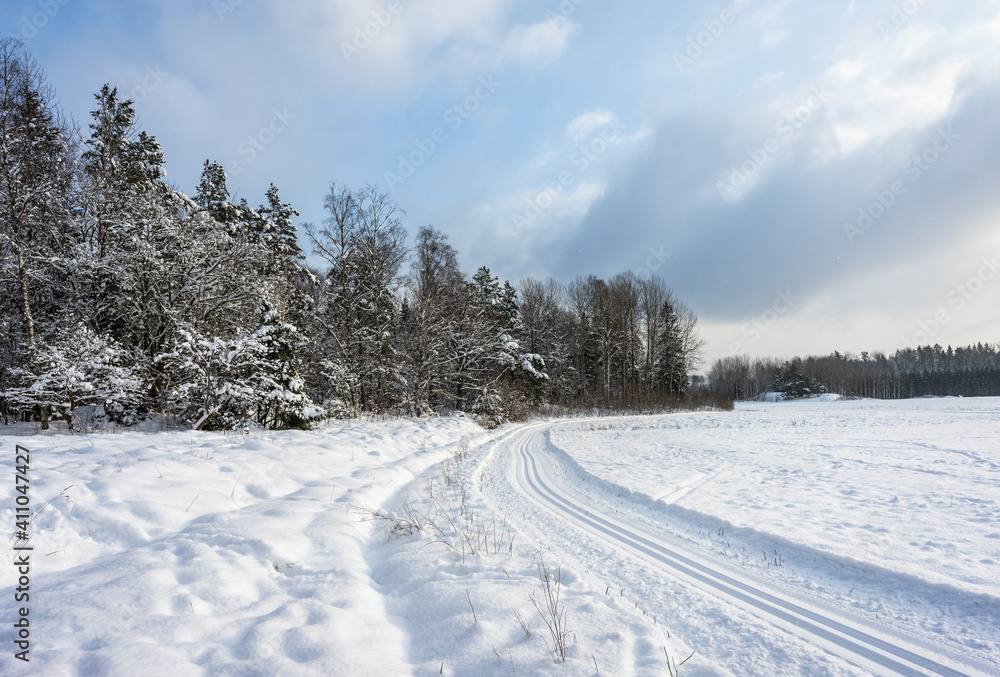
(924, 371)
(123, 298)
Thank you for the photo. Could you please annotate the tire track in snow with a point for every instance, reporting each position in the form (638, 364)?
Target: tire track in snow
(882, 654)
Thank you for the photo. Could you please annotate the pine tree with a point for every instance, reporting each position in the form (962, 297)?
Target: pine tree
(212, 195)
(281, 402)
(498, 369)
(279, 238)
(792, 383)
(672, 370)
(120, 188)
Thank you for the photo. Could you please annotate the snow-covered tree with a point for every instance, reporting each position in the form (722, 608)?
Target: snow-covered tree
(227, 383)
(496, 368)
(212, 195)
(429, 322)
(78, 368)
(36, 173)
(792, 383)
(546, 331)
(281, 402)
(208, 384)
(283, 256)
(364, 242)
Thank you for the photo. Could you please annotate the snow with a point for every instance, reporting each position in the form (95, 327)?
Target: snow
(196, 553)
(896, 485)
(888, 508)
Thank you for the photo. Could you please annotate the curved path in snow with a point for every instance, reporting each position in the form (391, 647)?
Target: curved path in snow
(852, 639)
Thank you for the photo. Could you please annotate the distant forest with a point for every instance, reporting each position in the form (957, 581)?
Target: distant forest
(972, 371)
(123, 298)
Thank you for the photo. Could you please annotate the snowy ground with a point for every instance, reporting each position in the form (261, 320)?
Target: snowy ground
(198, 553)
(884, 510)
(205, 554)
(912, 486)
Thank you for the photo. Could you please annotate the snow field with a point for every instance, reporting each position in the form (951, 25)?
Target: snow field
(186, 553)
(887, 510)
(289, 554)
(197, 553)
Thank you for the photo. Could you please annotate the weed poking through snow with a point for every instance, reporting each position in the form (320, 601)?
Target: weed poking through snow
(553, 613)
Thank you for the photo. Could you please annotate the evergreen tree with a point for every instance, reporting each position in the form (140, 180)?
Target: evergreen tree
(792, 383)
(212, 195)
(498, 369)
(671, 366)
(281, 401)
(283, 256)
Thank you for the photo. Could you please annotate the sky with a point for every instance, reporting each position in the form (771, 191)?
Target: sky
(806, 176)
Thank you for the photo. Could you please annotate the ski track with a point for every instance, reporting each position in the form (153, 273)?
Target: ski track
(856, 640)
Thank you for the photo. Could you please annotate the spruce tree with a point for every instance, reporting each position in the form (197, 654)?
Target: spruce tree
(212, 195)
(671, 367)
(281, 401)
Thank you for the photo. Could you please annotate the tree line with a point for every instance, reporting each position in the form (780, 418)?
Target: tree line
(969, 371)
(126, 297)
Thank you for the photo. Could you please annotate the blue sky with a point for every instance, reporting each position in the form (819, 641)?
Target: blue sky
(808, 176)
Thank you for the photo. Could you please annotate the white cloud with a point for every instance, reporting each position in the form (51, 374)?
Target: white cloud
(586, 123)
(577, 204)
(542, 159)
(905, 83)
(538, 42)
(775, 37)
(359, 43)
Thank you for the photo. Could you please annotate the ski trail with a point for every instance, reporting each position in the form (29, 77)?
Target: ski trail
(852, 639)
